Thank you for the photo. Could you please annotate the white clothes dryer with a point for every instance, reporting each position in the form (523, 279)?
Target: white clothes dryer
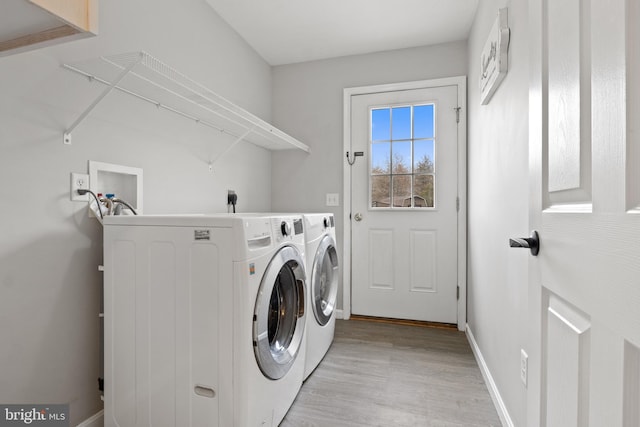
(322, 284)
(204, 319)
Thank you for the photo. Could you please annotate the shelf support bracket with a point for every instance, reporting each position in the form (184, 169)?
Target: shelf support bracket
(240, 138)
(114, 84)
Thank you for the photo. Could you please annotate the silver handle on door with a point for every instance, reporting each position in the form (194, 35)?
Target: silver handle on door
(532, 243)
(358, 216)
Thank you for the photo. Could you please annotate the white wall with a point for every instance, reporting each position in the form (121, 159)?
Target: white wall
(498, 207)
(50, 288)
(308, 102)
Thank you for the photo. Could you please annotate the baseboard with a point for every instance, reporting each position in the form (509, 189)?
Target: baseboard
(339, 314)
(488, 379)
(96, 420)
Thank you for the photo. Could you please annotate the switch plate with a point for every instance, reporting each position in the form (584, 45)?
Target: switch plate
(524, 366)
(79, 181)
(333, 199)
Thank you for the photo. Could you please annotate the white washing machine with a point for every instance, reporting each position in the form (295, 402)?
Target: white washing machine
(204, 319)
(322, 285)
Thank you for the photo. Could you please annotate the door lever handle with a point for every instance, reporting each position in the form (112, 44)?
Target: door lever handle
(532, 243)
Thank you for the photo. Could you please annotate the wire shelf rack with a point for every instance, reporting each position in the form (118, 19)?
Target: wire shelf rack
(141, 75)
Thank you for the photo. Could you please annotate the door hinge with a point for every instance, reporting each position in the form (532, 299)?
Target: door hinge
(457, 292)
(457, 204)
(457, 113)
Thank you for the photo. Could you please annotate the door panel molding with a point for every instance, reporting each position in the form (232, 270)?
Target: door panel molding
(381, 258)
(423, 271)
(631, 393)
(567, 365)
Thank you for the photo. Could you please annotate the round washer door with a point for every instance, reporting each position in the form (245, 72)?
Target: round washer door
(324, 280)
(279, 315)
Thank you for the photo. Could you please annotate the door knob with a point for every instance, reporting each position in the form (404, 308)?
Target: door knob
(358, 216)
(532, 243)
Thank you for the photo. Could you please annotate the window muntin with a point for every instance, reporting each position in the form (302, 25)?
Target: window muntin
(403, 148)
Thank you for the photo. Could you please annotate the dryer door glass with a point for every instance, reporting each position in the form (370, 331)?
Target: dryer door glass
(279, 316)
(324, 280)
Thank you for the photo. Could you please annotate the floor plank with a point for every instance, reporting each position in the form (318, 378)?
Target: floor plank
(385, 374)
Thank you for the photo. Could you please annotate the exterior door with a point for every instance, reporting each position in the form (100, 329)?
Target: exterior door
(404, 195)
(584, 285)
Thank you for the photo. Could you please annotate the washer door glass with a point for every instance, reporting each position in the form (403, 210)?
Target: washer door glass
(324, 280)
(279, 315)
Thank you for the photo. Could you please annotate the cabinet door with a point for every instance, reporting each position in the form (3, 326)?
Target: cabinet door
(31, 24)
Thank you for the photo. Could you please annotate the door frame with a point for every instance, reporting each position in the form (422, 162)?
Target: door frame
(461, 83)
(537, 112)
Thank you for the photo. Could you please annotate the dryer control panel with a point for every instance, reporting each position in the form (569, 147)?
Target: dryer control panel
(287, 228)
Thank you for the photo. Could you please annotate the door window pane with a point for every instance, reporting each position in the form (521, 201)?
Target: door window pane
(423, 121)
(380, 158)
(402, 191)
(423, 156)
(403, 156)
(401, 123)
(424, 191)
(381, 124)
(401, 160)
(381, 191)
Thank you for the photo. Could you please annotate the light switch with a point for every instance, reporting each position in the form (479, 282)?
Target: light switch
(333, 199)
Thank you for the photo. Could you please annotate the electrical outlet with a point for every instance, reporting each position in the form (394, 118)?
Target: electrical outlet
(232, 197)
(79, 181)
(524, 366)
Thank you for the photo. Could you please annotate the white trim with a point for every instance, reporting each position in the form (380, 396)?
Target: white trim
(346, 215)
(461, 82)
(96, 420)
(501, 408)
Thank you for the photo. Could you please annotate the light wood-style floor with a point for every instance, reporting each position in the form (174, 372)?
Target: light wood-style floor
(381, 374)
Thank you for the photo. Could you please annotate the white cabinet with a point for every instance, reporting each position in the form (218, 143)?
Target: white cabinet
(31, 24)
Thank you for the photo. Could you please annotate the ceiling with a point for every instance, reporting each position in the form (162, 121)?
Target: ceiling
(290, 31)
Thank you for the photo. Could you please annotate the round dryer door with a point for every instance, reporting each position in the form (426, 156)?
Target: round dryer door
(324, 280)
(279, 316)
